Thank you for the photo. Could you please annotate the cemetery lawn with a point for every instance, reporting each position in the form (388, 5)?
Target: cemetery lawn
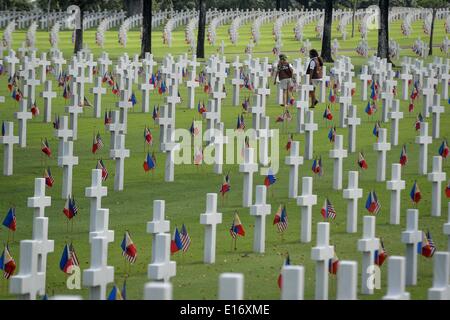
(185, 197)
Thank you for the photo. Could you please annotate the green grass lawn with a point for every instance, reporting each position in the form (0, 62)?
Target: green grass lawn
(185, 198)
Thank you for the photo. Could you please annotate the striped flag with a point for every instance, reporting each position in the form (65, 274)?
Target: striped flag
(101, 166)
(281, 219)
(328, 211)
(185, 239)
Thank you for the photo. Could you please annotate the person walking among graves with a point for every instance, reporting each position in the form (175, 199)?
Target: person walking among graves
(315, 73)
(284, 73)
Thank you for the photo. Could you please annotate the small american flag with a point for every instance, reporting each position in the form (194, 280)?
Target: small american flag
(281, 219)
(73, 255)
(431, 243)
(101, 166)
(99, 141)
(185, 239)
(328, 211)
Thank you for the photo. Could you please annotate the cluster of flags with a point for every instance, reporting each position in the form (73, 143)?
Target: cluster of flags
(403, 156)
(97, 143)
(117, 294)
(362, 161)
(13, 87)
(328, 211)
(201, 108)
(180, 241)
(70, 209)
(426, 247)
(281, 219)
(68, 259)
(415, 194)
(372, 203)
(380, 255)
(332, 134)
(46, 148)
(371, 108)
(327, 113)
(149, 162)
(108, 78)
(237, 229)
(48, 178)
(333, 264)
(129, 250)
(287, 262)
(100, 165)
(443, 149)
(7, 263)
(317, 166)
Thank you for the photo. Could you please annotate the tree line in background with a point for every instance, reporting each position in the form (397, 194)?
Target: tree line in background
(146, 7)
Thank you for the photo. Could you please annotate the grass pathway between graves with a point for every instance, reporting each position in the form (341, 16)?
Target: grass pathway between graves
(185, 198)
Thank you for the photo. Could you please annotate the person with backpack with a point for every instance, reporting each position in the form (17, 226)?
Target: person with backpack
(315, 70)
(284, 73)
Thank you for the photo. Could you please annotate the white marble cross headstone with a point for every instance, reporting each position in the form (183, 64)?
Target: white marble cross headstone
(441, 270)
(396, 185)
(98, 90)
(249, 167)
(436, 177)
(309, 126)
(293, 282)
(158, 291)
(211, 218)
(158, 224)
(231, 286)
(67, 161)
(423, 140)
(322, 253)
(395, 115)
(352, 122)
(306, 201)
(352, 194)
(338, 154)
(396, 279)
(48, 95)
(368, 245)
(260, 210)
(119, 153)
(411, 237)
(63, 133)
(8, 140)
(96, 192)
(381, 147)
(347, 280)
(162, 268)
(31, 278)
(436, 109)
(294, 160)
(23, 116)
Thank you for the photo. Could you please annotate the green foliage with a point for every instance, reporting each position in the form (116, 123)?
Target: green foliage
(19, 5)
